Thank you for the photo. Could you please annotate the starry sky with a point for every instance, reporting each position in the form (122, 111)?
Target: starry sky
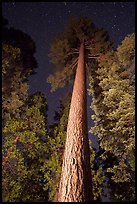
(44, 20)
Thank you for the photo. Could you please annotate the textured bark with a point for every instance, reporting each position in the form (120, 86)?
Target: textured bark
(75, 182)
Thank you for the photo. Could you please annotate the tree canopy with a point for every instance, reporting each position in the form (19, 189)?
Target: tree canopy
(113, 94)
(24, 125)
(64, 49)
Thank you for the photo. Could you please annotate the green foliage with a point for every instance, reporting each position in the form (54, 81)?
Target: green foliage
(79, 29)
(96, 175)
(21, 40)
(113, 95)
(55, 143)
(22, 172)
(59, 78)
(64, 49)
(24, 123)
(10, 56)
(126, 51)
(14, 91)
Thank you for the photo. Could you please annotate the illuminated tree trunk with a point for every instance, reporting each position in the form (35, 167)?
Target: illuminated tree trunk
(75, 182)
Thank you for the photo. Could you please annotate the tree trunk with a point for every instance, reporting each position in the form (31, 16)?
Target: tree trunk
(75, 182)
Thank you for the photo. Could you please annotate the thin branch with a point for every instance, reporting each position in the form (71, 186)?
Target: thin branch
(71, 53)
(93, 57)
(88, 48)
(74, 63)
(74, 49)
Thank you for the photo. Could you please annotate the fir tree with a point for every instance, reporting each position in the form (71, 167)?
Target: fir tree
(112, 90)
(24, 123)
(24, 152)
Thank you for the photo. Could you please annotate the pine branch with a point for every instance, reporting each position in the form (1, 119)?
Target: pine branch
(93, 56)
(88, 48)
(74, 49)
(71, 53)
(73, 64)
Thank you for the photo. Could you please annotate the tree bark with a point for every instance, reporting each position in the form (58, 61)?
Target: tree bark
(75, 182)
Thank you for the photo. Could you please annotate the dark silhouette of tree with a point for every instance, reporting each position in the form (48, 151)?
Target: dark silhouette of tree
(24, 122)
(24, 42)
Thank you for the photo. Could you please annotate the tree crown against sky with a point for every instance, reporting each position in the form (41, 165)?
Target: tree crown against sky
(24, 42)
(64, 49)
(113, 93)
(24, 123)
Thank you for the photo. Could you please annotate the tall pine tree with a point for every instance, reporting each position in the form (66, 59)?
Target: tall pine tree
(70, 46)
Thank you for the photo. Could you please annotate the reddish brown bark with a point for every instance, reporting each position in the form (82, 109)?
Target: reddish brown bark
(75, 182)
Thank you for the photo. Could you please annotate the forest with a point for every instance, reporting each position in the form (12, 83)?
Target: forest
(43, 162)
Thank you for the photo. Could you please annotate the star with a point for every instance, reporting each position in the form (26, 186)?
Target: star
(94, 12)
(113, 27)
(13, 4)
(65, 3)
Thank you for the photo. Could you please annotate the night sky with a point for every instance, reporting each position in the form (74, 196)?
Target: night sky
(44, 20)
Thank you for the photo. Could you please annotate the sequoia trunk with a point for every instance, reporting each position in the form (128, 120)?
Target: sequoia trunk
(75, 182)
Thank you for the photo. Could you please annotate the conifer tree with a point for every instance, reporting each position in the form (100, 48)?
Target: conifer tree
(25, 151)
(70, 46)
(24, 124)
(113, 93)
(18, 64)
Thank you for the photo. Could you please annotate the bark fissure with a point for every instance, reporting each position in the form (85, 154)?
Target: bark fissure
(75, 182)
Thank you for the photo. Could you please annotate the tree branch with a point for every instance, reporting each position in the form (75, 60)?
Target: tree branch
(74, 63)
(93, 57)
(71, 53)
